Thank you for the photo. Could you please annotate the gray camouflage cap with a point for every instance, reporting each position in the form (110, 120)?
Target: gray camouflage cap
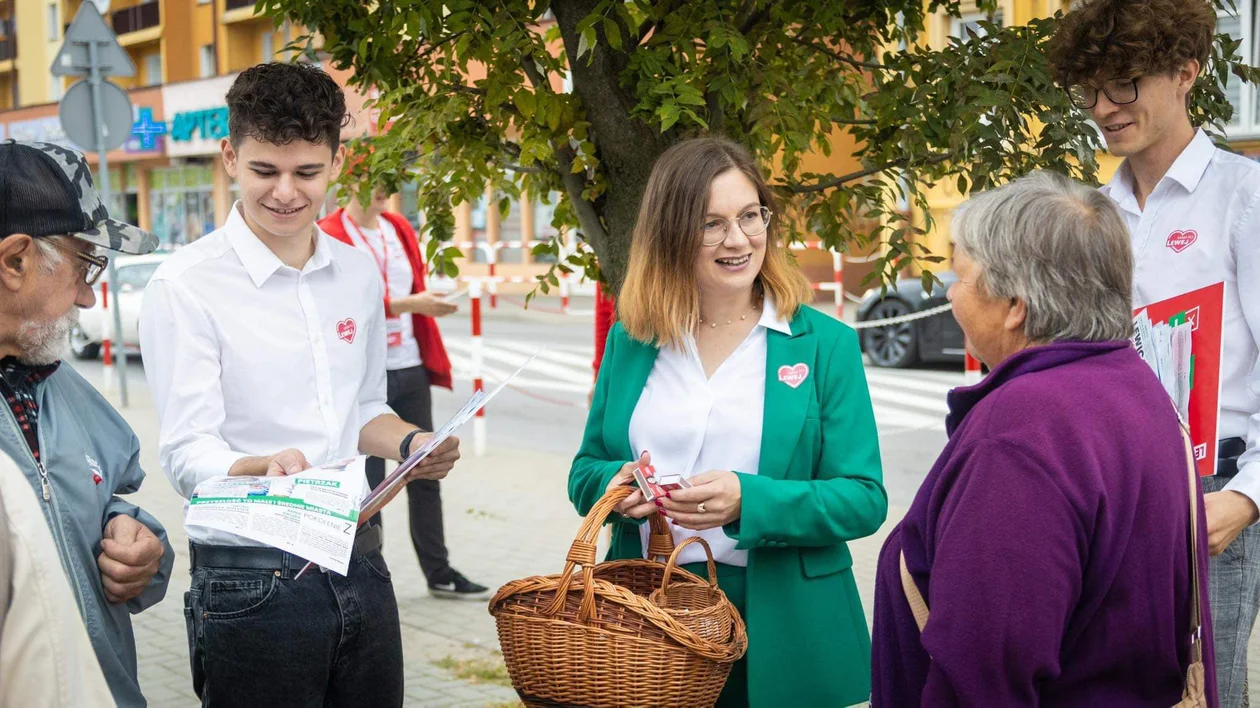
(47, 190)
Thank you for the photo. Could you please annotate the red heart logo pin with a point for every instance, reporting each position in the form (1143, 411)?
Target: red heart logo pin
(793, 376)
(1179, 241)
(346, 330)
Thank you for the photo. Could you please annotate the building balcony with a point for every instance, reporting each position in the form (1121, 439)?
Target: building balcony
(235, 11)
(135, 19)
(8, 48)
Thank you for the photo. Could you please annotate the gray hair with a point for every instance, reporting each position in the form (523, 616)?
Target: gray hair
(1061, 247)
(51, 255)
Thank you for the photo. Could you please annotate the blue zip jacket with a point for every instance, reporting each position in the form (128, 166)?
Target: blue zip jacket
(81, 438)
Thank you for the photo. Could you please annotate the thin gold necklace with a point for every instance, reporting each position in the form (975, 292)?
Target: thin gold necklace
(715, 325)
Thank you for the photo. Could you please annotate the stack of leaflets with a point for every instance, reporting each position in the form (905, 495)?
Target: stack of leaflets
(1166, 349)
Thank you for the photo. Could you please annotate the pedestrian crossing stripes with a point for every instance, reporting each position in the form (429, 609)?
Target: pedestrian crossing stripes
(903, 400)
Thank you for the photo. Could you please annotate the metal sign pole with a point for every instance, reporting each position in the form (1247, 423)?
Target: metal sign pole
(94, 81)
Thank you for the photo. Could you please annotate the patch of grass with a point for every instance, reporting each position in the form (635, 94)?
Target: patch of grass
(483, 515)
(476, 670)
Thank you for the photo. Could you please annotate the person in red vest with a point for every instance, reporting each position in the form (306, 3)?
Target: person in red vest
(415, 360)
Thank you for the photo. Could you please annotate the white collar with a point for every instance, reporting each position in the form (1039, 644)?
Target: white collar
(259, 260)
(770, 318)
(1187, 170)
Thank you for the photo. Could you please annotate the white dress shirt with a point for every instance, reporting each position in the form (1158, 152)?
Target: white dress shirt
(1214, 194)
(246, 356)
(692, 424)
(386, 249)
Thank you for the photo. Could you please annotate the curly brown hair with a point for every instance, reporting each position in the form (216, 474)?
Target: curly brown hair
(1131, 38)
(279, 103)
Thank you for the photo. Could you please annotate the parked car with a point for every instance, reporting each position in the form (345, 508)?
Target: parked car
(134, 273)
(936, 338)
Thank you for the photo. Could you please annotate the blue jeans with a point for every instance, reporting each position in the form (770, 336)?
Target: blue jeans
(1234, 579)
(261, 638)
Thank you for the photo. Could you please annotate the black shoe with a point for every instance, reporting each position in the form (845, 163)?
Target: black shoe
(455, 586)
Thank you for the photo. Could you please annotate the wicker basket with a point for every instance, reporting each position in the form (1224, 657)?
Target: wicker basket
(596, 640)
(700, 607)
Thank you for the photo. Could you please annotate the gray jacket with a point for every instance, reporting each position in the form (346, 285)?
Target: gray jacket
(82, 437)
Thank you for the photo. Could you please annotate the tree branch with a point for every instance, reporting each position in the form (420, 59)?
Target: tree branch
(854, 176)
(533, 169)
(588, 217)
(654, 26)
(717, 115)
(751, 16)
(840, 57)
(429, 52)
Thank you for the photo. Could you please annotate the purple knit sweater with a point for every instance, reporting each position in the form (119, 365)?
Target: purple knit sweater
(1050, 541)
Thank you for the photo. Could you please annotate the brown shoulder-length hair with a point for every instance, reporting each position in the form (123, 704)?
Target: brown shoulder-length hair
(660, 300)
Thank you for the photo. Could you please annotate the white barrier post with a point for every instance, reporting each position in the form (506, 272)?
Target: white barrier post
(107, 351)
(837, 266)
(971, 369)
(479, 421)
(492, 258)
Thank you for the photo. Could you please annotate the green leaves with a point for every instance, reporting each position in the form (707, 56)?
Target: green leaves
(863, 126)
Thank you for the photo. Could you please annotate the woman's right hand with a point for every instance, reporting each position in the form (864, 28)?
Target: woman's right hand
(633, 506)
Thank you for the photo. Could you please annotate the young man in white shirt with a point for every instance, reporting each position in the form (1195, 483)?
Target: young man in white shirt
(415, 359)
(264, 347)
(1191, 210)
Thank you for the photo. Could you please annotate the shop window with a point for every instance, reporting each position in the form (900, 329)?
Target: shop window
(153, 69)
(544, 212)
(510, 228)
(182, 203)
(959, 26)
(208, 64)
(54, 23)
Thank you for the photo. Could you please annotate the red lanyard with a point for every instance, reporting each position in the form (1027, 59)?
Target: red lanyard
(382, 260)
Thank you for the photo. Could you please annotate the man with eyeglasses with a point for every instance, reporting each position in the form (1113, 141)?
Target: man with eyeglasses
(76, 451)
(1192, 210)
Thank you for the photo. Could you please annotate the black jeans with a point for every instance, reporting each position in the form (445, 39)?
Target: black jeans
(261, 638)
(407, 392)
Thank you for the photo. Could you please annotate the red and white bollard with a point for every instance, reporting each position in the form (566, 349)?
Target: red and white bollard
(971, 369)
(837, 267)
(492, 258)
(478, 360)
(564, 293)
(107, 350)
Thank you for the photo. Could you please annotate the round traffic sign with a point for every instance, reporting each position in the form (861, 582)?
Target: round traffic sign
(77, 116)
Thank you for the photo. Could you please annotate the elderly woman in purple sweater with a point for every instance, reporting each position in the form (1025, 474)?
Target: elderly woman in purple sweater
(1051, 540)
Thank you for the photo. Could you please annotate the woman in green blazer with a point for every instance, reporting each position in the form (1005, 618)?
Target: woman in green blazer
(719, 372)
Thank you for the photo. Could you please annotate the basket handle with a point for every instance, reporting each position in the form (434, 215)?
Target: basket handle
(582, 552)
(672, 565)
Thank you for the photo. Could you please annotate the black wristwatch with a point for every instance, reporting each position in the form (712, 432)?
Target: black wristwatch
(404, 448)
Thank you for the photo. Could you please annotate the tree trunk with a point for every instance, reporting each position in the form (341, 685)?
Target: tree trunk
(627, 147)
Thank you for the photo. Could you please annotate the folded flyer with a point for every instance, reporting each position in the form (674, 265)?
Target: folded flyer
(1181, 339)
(312, 514)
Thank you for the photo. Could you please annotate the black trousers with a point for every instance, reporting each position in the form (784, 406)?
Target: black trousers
(407, 392)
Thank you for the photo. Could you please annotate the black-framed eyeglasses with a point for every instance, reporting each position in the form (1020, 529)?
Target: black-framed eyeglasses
(1118, 91)
(753, 222)
(93, 266)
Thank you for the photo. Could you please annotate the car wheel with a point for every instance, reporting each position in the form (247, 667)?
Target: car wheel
(82, 345)
(893, 346)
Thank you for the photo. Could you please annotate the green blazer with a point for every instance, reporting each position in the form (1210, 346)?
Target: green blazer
(819, 485)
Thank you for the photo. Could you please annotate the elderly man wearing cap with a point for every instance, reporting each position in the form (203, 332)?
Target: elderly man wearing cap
(76, 451)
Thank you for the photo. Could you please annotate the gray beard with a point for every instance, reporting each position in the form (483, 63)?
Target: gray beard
(43, 343)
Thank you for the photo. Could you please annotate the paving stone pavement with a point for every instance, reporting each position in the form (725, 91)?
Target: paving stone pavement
(507, 516)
